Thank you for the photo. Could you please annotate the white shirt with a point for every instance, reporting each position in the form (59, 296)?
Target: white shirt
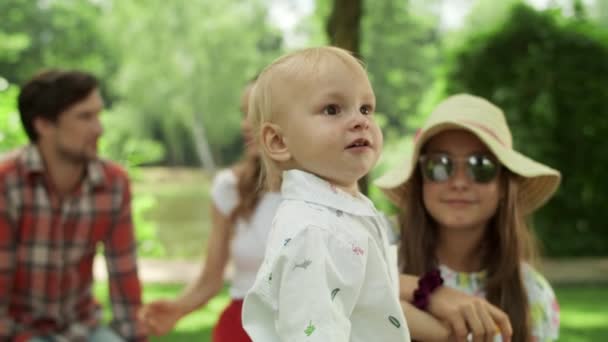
(249, 240)
(326, 275)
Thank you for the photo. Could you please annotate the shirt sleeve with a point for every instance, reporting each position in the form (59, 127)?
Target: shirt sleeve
(7, 265)
(120, 255)
(224, 192)
(544, 308)
(319, 278)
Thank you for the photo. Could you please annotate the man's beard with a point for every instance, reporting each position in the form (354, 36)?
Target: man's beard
(74, 156)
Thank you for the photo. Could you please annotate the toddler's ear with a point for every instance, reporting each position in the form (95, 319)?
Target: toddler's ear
(274, 143)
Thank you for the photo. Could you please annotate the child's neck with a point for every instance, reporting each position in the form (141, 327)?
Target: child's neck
(351, 190)
(460, 250)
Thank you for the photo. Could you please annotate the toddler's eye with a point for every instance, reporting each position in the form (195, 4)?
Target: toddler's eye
(367, 109)
(331, 109)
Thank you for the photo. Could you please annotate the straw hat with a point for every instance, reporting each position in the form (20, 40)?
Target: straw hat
(487, 122)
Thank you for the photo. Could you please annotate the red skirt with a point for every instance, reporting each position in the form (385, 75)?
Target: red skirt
(229, 327)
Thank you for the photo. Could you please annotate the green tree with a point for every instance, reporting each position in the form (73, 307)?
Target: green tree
(44, 34)
(344, 24)
(183, 66)
(601, 12)
(11, 133)
(549, 74)
(401, 51)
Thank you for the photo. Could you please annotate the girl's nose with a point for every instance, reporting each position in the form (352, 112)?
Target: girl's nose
(459, 178)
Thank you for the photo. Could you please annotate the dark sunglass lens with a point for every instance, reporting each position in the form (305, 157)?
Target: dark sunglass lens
(482, 168)
(437, 168)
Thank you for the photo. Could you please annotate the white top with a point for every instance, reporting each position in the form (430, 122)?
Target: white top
(327, 274)
(249, 239)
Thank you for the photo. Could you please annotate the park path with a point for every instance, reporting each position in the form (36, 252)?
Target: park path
(557, 271)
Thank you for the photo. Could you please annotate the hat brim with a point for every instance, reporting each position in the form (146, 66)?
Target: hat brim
(538, 182)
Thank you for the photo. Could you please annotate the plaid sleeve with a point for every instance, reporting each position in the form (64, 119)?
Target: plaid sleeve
(7, 265)
(120, 254)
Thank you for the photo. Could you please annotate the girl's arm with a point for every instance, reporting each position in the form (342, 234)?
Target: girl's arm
(423, 326)
(161, 316)
(463, 313)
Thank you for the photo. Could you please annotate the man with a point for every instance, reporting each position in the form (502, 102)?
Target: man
(58, 202)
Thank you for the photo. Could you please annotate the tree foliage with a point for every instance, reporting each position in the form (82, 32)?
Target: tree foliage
(401, 51)
(550, 76)
(37, 34)
(11, 132)
(183, 66)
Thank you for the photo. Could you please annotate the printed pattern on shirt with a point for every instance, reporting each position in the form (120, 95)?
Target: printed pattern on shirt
(326, 275)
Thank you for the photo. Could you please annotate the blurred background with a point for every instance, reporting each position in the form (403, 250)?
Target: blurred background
(172, 74)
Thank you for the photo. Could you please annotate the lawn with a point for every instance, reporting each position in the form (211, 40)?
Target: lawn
(195, 327)
(584, 313)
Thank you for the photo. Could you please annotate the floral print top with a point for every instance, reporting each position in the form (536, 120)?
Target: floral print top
(544, 308)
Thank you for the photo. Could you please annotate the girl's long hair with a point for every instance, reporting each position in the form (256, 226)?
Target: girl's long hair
(507, 244)
(248, 172)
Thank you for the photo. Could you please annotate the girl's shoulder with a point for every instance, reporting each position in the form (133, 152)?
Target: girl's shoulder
(224, 192)
(535, 283)
(544, 308)
(228, 175)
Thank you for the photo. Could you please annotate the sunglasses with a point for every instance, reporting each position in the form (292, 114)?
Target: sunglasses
(439, 167)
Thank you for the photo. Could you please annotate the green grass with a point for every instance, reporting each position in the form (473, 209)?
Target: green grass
(584, 313)
(194, 327)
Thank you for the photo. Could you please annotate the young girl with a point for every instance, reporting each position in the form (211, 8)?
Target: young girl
(326, 275)
(241, 216)
(464, 195)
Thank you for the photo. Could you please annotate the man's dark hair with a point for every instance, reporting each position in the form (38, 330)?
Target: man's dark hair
(51, 92)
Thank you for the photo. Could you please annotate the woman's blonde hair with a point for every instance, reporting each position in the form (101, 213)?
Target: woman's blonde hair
(247, 172)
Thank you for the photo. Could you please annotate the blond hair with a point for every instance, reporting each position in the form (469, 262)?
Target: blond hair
(268, 101)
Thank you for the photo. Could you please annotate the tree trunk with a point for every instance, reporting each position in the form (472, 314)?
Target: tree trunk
(343, 29)
(344, 23)
(202, 144)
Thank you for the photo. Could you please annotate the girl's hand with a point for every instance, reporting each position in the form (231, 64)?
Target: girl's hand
(159, 317)
(423, 326)
(466, 314)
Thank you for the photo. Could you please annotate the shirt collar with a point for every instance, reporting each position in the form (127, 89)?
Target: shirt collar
(31, 159)
(304, 186)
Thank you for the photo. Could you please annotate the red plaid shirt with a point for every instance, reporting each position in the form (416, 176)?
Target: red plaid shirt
(47, 245)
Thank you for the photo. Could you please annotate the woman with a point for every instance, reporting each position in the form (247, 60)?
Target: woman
(241, 218)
